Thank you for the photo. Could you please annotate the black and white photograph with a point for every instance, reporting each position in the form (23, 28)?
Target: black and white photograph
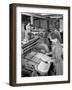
(40, 53)
(41, 44)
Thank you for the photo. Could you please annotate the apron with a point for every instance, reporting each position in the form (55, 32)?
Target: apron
(57, 54)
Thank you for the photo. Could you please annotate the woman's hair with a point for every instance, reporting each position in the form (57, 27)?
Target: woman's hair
(25, 26)
(54, 35)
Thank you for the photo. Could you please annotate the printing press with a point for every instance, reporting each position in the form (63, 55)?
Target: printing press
(34, 62)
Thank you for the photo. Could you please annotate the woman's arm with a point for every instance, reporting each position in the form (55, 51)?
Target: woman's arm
(50, 53)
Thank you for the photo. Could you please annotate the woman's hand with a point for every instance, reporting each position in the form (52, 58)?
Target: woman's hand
(46, 53)
(50, 53)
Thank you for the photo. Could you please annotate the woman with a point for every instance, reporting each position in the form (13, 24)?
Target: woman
(57, 55)
(27, 31)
